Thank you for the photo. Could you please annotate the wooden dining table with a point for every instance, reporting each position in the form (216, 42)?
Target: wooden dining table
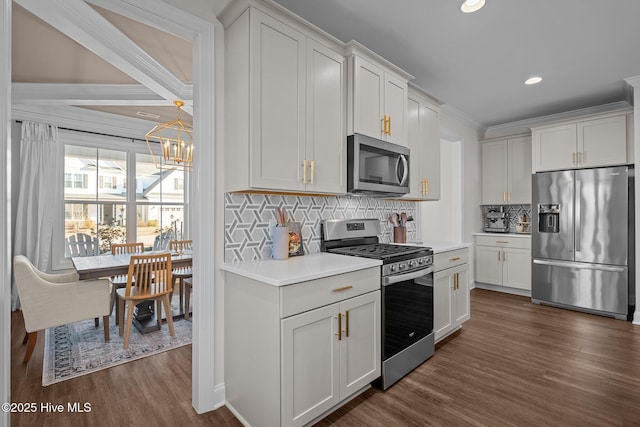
(107, 265)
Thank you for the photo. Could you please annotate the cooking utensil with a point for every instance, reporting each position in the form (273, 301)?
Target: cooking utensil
(393, 219)
(403, 219)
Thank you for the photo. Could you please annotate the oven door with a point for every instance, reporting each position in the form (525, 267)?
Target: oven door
(407, 310)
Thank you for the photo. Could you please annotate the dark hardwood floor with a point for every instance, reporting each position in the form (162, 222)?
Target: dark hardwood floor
(512, 364)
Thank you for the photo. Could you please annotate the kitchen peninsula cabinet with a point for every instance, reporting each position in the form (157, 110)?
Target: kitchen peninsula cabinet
(451, 303)
(504, 261)
(592, 142)
(297, 348)
(377, 96)
(285, 107)
(506, 171)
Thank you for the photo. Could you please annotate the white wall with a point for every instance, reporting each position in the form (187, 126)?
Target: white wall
(438, 221)
(454, 128)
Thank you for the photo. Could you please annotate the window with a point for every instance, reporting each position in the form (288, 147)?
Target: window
(99, 203)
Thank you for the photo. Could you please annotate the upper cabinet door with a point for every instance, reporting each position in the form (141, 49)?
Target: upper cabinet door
(430, 151)
(277, 104)
(368, 98)
(555, 148)
(494, 173)
(519, 166)
(326, 119)
(415, 142)
(602, 142)
(395, 108)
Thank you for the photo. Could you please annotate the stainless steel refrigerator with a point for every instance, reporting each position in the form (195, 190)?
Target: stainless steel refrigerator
(582, 240)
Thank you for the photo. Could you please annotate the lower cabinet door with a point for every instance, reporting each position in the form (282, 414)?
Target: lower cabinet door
(462, 309)
(360, 343)
(489, 265)
(442, 303)
(517, 268)
(310, 365)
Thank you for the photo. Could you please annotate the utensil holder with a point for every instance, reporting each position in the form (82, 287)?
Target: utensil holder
(399, 234)
(280, 238)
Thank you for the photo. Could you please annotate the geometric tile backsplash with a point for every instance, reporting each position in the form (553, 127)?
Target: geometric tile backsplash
(248, 219)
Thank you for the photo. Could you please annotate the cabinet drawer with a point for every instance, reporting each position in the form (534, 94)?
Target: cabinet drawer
(304, 296)
(504, 241)
(449, 259)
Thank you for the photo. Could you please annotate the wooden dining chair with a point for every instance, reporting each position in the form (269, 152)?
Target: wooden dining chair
(153, 281)
(120, 281)
(179, 274)
(188, 285)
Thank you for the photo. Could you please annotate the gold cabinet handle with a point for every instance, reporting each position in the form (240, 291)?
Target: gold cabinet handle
(339, 333)
(389, 129)
(346, 318)
(304, 171)
(501, 241)
(426, 186)
(344, 288)
(508, 196)
(580, 157)
(504, 196)
(313, 171)
(454, 259)
(504, 255)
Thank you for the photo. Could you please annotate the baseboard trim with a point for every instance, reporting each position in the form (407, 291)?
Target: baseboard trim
(503, 289)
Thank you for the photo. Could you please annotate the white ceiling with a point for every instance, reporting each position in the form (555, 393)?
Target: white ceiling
(477, 62)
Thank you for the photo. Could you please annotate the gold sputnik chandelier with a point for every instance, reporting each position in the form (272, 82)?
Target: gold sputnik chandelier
(176, 143)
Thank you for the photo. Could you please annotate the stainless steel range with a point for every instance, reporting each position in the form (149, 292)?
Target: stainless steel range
(407, 292)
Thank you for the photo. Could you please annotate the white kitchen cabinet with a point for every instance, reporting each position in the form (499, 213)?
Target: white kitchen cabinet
(423, 126)
(285, 108)
(503, 261)
(451, 304)
(506, 171)
(295, 352)
(377, 96)
(581, 144)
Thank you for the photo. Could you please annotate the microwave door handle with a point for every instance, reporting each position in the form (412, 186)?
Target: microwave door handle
(405, 168)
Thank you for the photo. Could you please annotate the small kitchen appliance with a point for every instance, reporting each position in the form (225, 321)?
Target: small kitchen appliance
(496, 220)
(406, 292)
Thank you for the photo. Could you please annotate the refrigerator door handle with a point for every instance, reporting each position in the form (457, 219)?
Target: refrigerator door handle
(579, 265)
(578, 213)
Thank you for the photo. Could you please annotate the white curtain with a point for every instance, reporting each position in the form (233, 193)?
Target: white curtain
(39, 195)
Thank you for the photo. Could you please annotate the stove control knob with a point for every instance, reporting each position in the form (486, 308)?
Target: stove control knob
(392, 268)
(421, 261)
(412, 264)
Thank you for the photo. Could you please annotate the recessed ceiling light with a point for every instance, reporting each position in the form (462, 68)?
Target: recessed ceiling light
(148, 115)
(472, 5)
(533, 80)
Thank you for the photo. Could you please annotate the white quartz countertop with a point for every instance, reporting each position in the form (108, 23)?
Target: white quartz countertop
(522, 235)
(300, 268)
(441, 246)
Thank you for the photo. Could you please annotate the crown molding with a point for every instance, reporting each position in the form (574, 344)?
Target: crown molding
(525, 125)
(633, 81)
(80, 22)
(460, 115)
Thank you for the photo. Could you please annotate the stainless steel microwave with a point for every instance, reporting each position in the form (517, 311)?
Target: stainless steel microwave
(376, 167)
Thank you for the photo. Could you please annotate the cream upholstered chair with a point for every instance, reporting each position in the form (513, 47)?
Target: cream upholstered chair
(50, 300)
(153, 281)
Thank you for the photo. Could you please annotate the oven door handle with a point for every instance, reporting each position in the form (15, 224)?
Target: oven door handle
(390, 280)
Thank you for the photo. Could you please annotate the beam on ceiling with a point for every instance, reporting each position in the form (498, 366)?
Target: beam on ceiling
(86, 94)
(80, 22)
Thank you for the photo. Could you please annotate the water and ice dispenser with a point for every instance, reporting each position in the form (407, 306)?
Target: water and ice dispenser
(549, 218)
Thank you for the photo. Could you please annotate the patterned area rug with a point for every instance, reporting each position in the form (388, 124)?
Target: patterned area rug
(78, 348)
